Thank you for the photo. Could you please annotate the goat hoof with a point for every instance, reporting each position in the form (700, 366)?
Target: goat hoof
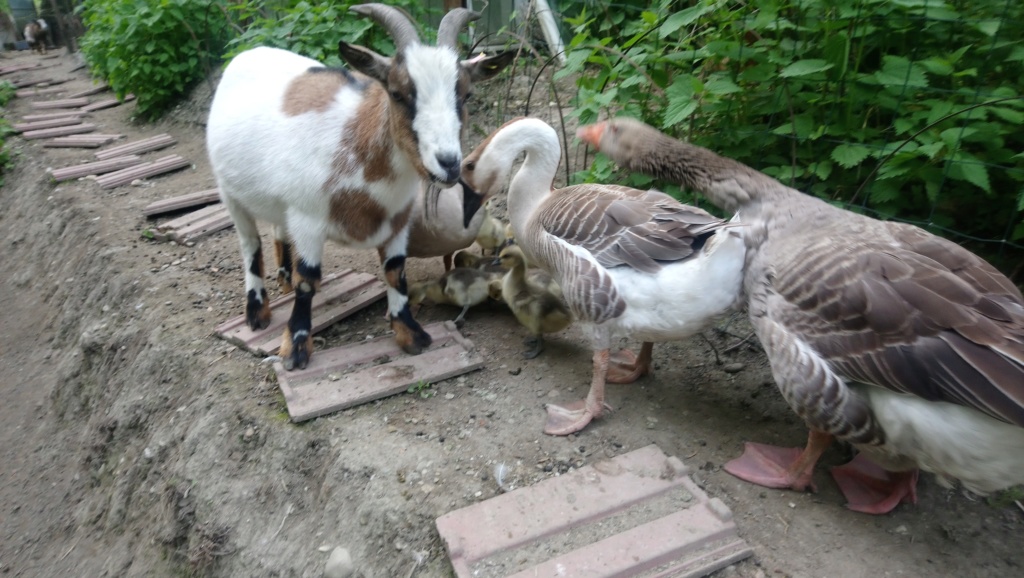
(420, 341)
(296, 351)
(257, 311)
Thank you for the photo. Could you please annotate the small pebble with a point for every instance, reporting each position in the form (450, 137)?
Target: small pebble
(734, 367)
(339, 565)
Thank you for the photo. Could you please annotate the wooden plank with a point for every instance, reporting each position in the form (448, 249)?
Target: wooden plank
(53, 115)
(216, 222)
(26, 92)
(182, 202)
(599, 521)
(90, 91)
(59, 131)
(145, 170)
(108, 103)
(64, 103)
(51, 123)
(341, 294)
(351, 375)
(188, 219)
(95, 168)
(138, 147)
(18, 67)
(83, 140)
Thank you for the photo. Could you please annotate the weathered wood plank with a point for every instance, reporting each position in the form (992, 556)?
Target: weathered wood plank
(351, 375)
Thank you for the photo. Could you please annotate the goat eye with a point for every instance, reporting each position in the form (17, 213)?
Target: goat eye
(470, 165)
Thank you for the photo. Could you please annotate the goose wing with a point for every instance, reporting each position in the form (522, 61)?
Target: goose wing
(625, 226)
(894, 306)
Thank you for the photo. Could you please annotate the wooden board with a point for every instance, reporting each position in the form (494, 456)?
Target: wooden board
(183, 202)
(601, 521)
(188, 228)
(351, 375)
(341, 294)
(95, 168)
(79, 128)
(137, 147)
(65, 103)
(107, 103)
(143, 171)
(90, 141)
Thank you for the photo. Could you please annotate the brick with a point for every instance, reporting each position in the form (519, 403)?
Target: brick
(636, 515)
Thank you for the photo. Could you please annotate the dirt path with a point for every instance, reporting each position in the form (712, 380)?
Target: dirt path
(134, 443)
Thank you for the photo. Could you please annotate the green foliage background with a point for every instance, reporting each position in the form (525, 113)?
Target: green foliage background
(857, 101)
(818, 93)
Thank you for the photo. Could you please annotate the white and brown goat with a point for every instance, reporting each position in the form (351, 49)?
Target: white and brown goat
(327, 153)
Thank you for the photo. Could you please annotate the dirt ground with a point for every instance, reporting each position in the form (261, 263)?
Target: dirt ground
(136, 443)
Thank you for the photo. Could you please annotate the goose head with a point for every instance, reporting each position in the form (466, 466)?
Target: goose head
(488, 167)
(620, 138)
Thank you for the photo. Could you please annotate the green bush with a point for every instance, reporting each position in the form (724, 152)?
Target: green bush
(818, 94)
(154, 49)
(314, 29)
(7, 91)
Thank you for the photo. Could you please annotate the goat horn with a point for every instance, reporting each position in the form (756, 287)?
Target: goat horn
(452, 24)
(396, 22)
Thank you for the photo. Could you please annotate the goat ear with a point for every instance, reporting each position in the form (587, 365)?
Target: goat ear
(365, 60)
(481, 69)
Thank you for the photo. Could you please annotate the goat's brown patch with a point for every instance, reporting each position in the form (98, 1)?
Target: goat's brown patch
(357, 213)
(399, 221)
(283, 254)
(366, 138)
(312, 91)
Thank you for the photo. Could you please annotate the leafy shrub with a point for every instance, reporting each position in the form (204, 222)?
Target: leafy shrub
(314, 29)
(7, 91)
(155, 49)
(818, 94)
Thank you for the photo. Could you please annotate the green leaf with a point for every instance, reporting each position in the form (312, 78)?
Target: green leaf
(964, 168)
(681, 101)
(719, 86)
(682, 18)
(898, 71)
(804, 68)
(1008, 114)
(850, 155)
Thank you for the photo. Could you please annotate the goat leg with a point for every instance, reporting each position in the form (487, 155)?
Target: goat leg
(297, 341)
(408, 333)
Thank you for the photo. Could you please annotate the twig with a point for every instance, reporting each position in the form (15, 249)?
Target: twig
(286, 513)
(65, 554)
(1019, 505)
(738, 344)
(718, 360)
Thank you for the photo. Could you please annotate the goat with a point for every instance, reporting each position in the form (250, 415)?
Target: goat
(36, 34)
(331, 153)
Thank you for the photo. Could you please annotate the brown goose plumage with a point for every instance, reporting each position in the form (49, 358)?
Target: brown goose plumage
(842, 302)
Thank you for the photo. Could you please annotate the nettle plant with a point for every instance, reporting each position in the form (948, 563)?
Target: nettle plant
(313, 29)
(154, 49)
(828, 97)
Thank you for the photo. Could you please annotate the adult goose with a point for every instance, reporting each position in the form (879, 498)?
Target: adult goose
(880, 334)
(630, 263)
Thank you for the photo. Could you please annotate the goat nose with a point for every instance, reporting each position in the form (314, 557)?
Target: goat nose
(451, 165)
